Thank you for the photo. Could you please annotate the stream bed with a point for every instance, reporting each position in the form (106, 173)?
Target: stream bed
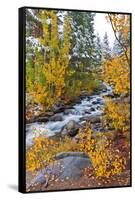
(88, 106)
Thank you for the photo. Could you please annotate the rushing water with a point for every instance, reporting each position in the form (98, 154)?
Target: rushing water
(88, 106)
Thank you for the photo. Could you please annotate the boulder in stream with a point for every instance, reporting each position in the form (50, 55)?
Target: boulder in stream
(48, 114)
(92, 109)
(68, 111)
(58, 107)
(92, 118)
(41, 119)
(95, 102)
(71, 128)
(56, 117)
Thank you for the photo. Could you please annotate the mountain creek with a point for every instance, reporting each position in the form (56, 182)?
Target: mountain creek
(66, 120)
(83, 109)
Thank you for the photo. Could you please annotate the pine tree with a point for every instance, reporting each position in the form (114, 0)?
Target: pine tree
(106, 47)
(61, 57)
(117, 48)
(82, 40)
(33, 30)
(99, 51)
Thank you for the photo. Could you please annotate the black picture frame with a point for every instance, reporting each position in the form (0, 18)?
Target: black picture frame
(22, 96)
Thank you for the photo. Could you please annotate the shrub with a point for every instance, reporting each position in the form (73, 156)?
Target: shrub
(106, 161)
(118, 115)
(43, 151)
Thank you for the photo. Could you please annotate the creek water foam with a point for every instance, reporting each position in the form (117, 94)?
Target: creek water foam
(88, 106)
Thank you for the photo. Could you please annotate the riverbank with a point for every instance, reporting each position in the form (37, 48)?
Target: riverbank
(85, 179)
(69, 164)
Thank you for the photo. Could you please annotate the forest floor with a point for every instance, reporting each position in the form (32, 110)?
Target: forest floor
(89, 179)
(86, 182)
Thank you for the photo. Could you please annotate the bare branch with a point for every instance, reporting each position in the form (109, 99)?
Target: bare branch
(123, 47)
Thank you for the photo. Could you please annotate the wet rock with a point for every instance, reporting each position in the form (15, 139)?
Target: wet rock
(77, 100)
(104, 90)
(71, 128)
(96, 127)
(88, 111)
(90, 97)
(98, 100)
(68, 107)
(38, 119)
(48, 114)
(102, 103)
(96, 119)
(92, 118)
(92, 109)
(59, 107)
(94, 102)
(68, 111)
(84, 94)
(98, 107)
(111, 95)
(42, 119)
(103, 86)
(56, 117)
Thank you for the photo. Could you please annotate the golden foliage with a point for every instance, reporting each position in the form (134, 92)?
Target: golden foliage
(118, 115)
(55, 68)
(43, 151)
(39, 156)
(121, 23)
(117, 73)
(117, 69)
(47, 80)
(106, 161)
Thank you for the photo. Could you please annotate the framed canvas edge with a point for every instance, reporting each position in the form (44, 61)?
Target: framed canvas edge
(21, 103)
(21, 99)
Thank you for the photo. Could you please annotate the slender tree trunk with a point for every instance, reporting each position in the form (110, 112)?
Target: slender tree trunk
(123, 47)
